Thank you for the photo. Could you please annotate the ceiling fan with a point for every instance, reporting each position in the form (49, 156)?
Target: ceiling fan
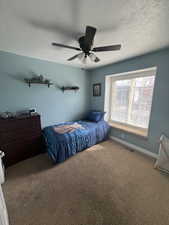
(86, 46)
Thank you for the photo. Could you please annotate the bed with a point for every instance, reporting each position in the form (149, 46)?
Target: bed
(62, 146)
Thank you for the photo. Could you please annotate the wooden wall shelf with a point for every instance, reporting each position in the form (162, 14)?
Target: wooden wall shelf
(29, 82)
(70, 88)
(38, 80)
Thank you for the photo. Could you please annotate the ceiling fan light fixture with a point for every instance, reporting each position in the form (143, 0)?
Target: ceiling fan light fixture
(92, 56)
(81, 56)
(84, 59)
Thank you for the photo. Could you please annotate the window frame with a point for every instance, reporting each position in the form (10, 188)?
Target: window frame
(108, 97)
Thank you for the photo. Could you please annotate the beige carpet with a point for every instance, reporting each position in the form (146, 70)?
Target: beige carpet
(104, 185)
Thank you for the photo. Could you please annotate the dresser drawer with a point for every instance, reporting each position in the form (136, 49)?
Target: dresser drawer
(10, 136)
(20, 138)
(19, 124)
(21, 150)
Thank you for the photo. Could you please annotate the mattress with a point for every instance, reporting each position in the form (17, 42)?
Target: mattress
(62, 146)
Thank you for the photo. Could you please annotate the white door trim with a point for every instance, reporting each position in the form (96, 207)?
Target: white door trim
(3, 211)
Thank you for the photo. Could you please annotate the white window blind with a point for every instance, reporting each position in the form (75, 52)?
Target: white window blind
(130, 99)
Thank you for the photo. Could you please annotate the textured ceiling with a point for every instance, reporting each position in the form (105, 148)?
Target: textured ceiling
(27, 27)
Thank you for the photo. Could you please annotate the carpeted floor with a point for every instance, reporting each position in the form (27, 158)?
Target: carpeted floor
(104, 185)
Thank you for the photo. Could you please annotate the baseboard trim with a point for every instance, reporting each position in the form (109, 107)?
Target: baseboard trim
(134, 147)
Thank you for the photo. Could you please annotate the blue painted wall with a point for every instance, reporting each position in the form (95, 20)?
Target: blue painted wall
(159, 121)
(53, 105)
(56, 106)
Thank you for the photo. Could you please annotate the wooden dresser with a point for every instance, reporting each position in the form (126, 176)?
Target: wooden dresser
(20, 138)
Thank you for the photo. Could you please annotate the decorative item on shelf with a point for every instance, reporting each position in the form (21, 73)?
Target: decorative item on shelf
(18, 114)
(22, 113)
(32, 112)
(97, 89)
(7, 115)
(70, 88)
(38, 80)
(26, 113)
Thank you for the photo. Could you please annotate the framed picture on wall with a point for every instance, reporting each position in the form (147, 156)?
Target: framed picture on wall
(97, 89)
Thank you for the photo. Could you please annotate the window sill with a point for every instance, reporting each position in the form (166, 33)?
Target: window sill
(129, 129)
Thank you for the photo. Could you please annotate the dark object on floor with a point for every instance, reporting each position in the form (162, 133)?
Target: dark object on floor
(62, 146)
(20, 138)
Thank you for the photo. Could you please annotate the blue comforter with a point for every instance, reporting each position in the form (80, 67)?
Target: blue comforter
(62, 146)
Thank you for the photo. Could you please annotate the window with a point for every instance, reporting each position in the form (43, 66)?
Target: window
(130, 99)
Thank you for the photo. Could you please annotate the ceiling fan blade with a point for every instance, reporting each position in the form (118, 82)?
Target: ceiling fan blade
(65, 46)
(107, 48)
(73, 57)
(89, 35)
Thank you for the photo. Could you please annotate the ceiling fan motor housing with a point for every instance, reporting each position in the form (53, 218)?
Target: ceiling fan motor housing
(84, 46)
